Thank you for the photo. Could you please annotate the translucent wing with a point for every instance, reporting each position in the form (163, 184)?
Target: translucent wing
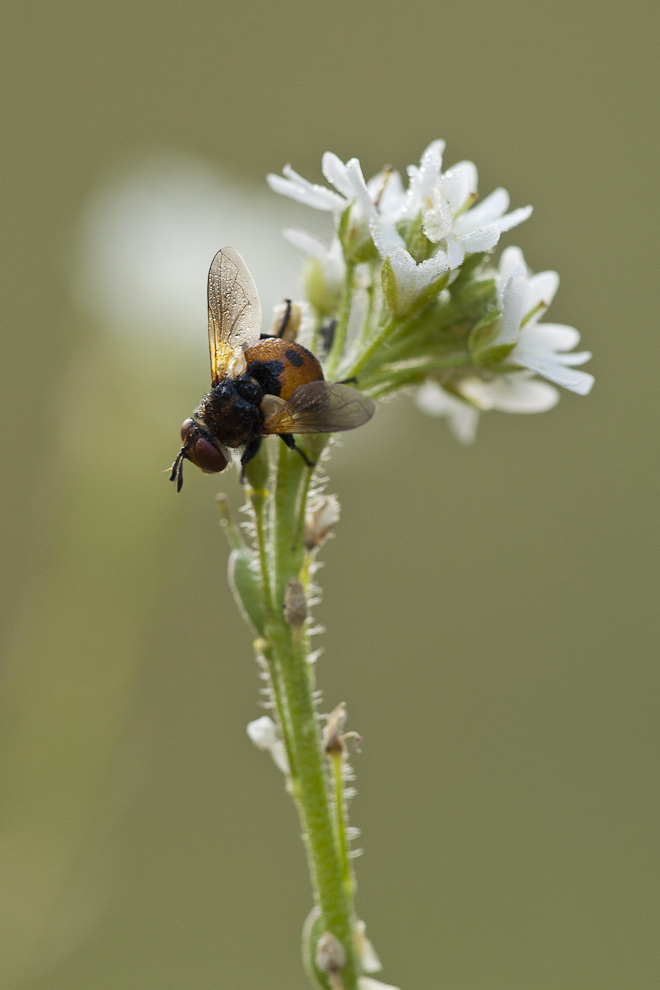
(320, 407)
(234, 311)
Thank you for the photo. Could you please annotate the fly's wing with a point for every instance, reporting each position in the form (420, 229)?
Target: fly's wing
(320, 407)
(234, 311)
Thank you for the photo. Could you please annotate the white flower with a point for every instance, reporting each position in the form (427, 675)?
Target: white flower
(295, 187)
(442, 199)
(264, 734)
(479, 229)
(513, 393)
(476, 229)
(542, 348)
(347, 180)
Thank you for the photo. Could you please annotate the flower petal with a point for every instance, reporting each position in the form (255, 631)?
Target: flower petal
(455, 251)
(512, 257)
(264, 734)
(359, 186)
(295, 187)
(513, 393)
(459, 183)
(490, 209)
(385, 235)
(308, 243)
(392, 196)
(423, 179)
(411, 278)
(514, 218)
(550, 336)
(481, 239)
(433, 400)
(556, 371)
(368, 983)
(334, 170)
(541, 289)
(369, 960)
(513, 306)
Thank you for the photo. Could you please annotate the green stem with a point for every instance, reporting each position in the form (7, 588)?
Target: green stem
(337, 760)
(381, 338)
(339, 341)
(369, 316)
(310, 784)
(258, 506)
(391, 378)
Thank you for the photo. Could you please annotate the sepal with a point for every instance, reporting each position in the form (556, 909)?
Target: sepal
(486, 353)
(390, 290)
(355, 239)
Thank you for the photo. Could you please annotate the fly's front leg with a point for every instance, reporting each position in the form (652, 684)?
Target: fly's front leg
(251, 450)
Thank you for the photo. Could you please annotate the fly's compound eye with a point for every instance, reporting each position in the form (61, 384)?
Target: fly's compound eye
(206, 456)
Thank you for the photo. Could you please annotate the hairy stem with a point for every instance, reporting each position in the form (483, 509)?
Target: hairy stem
(290, 668)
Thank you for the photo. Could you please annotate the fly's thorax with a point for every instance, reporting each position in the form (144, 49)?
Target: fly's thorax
(231, 411)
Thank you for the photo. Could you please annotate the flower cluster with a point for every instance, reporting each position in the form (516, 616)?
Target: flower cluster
(406, 293)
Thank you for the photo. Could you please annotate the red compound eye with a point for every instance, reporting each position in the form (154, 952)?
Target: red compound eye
(207, 457)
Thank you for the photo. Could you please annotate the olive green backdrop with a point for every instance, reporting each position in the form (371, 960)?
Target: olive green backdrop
(491, 611)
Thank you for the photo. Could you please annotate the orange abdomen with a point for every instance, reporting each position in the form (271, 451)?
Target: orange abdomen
(280, 366)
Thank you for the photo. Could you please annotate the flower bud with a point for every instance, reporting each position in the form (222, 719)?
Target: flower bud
(287, 317)
(330, 955)
(264, 734)
(295, 604)
(320, 518)
(246, 586)
(332, 734)
(322, 290)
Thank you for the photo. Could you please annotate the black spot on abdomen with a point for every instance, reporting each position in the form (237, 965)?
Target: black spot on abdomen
(267, 373)
(294, 357)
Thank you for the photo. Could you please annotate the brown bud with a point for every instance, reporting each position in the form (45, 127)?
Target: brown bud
(320, 518)
(295, 604)
(330, 955)
(333, 741)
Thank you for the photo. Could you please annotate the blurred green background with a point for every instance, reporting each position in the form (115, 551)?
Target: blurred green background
(491, 611)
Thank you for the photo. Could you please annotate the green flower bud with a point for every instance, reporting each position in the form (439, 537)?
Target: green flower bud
(323, 294)
(246, 587)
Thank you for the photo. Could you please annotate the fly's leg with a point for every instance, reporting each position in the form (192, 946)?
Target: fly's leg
(291, 443)
(283, 325)
(251, 450)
